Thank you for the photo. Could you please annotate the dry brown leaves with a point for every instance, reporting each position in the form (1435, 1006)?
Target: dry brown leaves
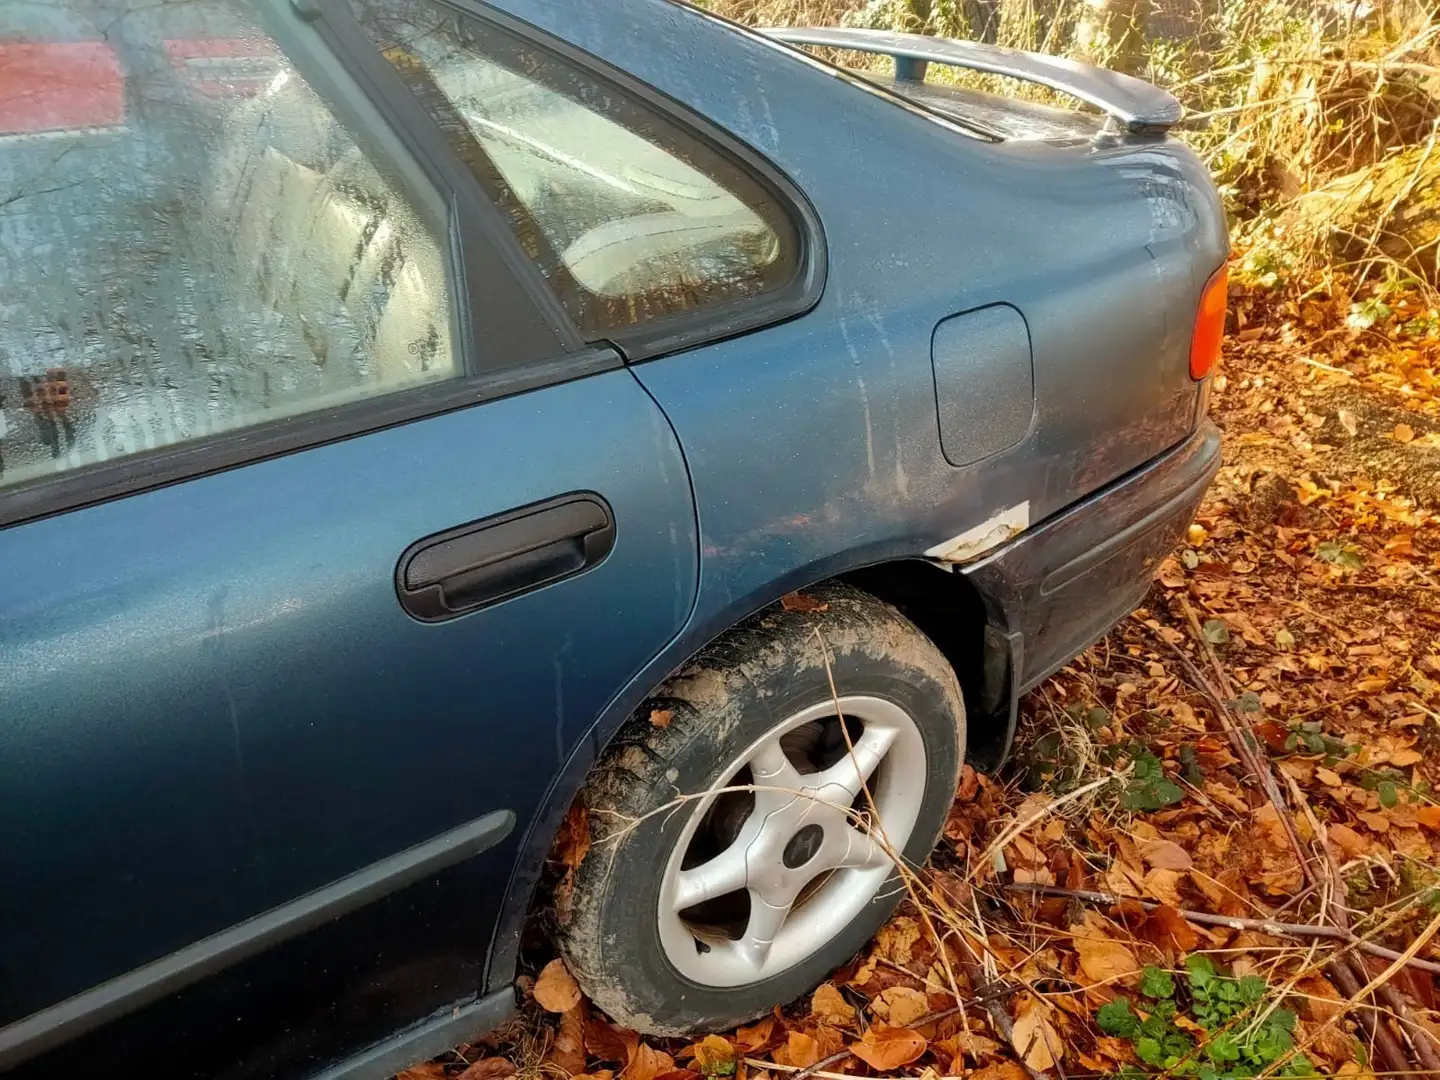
(887, 1048)
(556, 989)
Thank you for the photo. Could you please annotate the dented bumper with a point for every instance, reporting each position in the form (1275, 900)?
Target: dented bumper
(1062, 585)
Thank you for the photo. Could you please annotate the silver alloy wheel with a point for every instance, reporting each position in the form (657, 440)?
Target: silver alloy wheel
(798, 854)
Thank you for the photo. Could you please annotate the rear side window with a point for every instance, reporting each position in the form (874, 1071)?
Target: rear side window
(190, 243)
(632, 218)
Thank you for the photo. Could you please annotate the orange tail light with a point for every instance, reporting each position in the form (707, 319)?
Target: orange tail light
(1209, 325)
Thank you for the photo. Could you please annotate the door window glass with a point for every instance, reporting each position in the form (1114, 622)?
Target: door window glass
(632, 218)
(190, 243)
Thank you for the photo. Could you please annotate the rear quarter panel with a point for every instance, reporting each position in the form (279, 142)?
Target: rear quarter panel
(814, 445)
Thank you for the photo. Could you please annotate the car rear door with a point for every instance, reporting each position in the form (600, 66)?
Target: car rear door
(325, 536)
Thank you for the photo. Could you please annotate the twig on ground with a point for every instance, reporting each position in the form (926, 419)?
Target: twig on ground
(1242, 737)
(1264, 926)
(1424, 1044)
(1382, 1040)
(1419, 1038)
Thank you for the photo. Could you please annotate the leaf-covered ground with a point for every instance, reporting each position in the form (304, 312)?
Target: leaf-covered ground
(1215, 852)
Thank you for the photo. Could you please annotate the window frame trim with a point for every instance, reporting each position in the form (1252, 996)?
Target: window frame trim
(477, 222)
(706, 325)
(179, 463)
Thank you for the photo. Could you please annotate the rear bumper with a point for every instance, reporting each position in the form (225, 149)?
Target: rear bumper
(1059, 587)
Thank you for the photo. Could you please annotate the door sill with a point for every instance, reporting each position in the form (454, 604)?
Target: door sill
(451, 1028)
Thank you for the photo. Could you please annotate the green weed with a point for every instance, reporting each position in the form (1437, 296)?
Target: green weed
(1245, 1034)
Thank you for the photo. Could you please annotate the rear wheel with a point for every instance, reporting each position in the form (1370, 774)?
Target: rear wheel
(743, 846)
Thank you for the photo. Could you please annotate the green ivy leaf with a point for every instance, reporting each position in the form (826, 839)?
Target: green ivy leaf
(1367, 313)
(1201, 970)
(1115, 1018)
(1332, 551)
(1252, 989)
(1388, 795)
(1216, 632)
(1190, 765)
(1222, 1049)
(1248, 702)
(1150, 1051)
(1168, 792)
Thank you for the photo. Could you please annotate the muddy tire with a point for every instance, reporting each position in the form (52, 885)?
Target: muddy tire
(697, 909)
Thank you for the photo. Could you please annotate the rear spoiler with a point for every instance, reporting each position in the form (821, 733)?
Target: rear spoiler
(1134, 104)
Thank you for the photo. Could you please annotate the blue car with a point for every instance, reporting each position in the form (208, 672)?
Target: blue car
(428, 424)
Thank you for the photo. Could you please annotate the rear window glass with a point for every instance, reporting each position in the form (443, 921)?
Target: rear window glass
(632, 217)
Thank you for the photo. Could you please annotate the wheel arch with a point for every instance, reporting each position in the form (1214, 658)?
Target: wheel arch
(945, 605)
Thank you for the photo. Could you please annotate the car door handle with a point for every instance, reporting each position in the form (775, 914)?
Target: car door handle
(487, 561)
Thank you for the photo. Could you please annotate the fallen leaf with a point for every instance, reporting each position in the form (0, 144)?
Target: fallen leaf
(1115, 1051)
(865, 972)
(427, 1071)
(1333, 1045)
(1184, 1023)
(567, 1052)
(1378, 822)
(609, 1042)
(888, 1048)
(1351, 844)
(1321, 1000)
(1103, 959)
(800, 1051)
(661, 718)
(756, 1036)
(1404, 433)
(977, 1047)
(715, 1056)
(1001, 1070)
(1169, 931)
(1347, 421)
(1038, 875)
(900, 1005)
(830, 1007)
(1404, 758)
(647, 1063)
(572, 839)
(800, 602)
(1429, 816)
(1327, 777)
(897, 938)
(556, 990)
(1036, 1040)
(969, 784)
(572, 844)
(1165, 855)
(1164, 885)
(491, 1068)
